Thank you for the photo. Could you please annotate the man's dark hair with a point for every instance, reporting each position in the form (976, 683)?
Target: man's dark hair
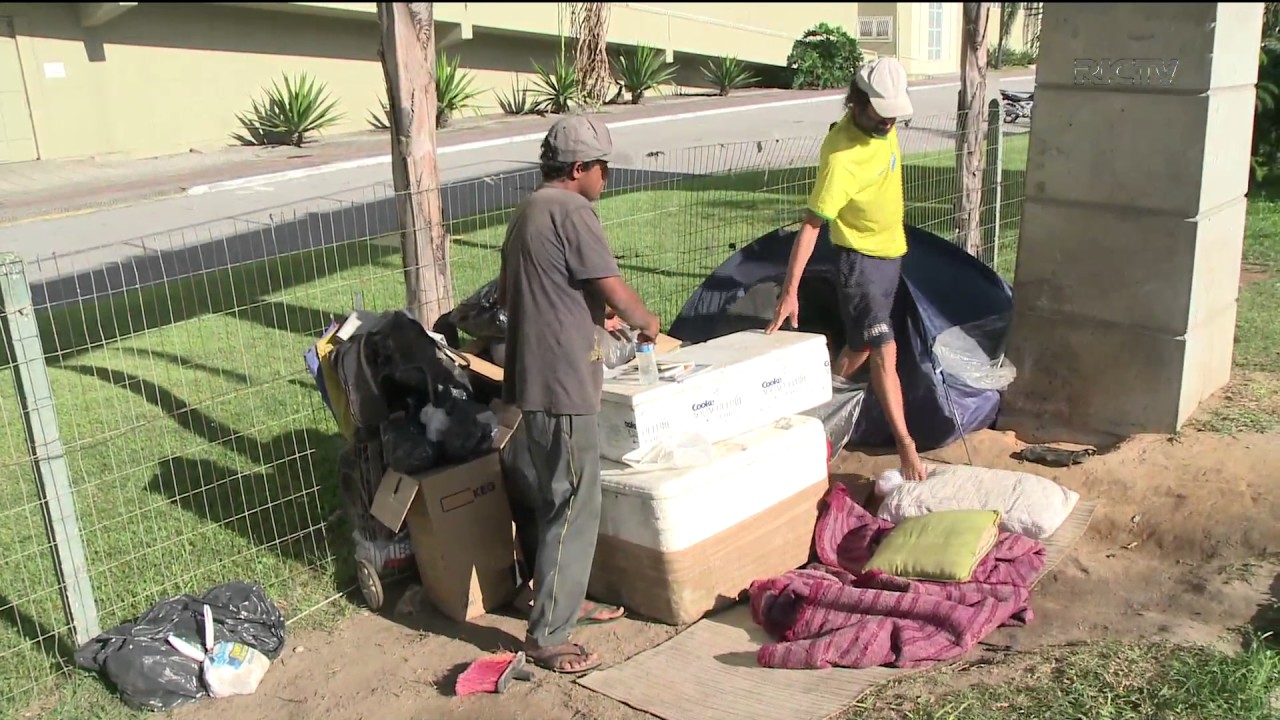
(857, 98)
(553, 170)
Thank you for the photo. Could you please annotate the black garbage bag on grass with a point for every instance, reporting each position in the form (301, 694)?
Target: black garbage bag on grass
(150, 674)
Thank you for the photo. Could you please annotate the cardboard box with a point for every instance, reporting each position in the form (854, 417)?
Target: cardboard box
(461, 529)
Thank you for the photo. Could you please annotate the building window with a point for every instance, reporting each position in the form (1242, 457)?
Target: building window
(876, 29)
(935, 31)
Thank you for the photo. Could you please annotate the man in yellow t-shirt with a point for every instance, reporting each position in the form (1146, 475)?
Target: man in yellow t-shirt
(858, 192)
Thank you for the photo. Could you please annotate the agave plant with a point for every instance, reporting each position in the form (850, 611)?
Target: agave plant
(557, 90)
(643, 71)
(728, 73)
(288, 115)
(454, 91)
(383, 121)
(517, 103)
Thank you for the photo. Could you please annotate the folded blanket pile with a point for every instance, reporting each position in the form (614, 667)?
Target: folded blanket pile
(833, 614)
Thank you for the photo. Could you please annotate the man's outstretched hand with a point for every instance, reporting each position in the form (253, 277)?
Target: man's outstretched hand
(788, 309)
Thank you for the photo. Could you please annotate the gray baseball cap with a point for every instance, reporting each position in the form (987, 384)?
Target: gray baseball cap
(580, 138)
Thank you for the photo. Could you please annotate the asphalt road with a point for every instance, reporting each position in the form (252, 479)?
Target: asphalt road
(91, 254)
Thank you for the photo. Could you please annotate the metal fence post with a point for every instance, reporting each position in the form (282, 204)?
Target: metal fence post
(53, 479)
(994, 180)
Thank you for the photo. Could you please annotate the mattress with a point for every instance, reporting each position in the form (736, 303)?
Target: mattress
(677, 544)
(750, 379)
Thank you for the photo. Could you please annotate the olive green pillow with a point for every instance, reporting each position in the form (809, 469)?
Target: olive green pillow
(944, 546)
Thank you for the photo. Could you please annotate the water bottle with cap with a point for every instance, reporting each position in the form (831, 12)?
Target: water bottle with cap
(646, 363)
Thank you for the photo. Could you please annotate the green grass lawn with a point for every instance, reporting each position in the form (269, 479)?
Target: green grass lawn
(1251, 403)
(200, 451)
(1103, 680)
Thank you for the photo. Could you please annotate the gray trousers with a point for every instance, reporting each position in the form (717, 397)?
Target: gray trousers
(552, 466)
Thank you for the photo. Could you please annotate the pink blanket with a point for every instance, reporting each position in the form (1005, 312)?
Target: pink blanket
(834, 614)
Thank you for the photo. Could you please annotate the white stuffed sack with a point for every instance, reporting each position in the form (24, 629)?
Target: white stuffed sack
(1028, 504)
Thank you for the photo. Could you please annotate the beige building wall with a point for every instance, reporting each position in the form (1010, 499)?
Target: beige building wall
(910, 37)
(867, 39)
(925, 36)
(165, 78)
(160, 78)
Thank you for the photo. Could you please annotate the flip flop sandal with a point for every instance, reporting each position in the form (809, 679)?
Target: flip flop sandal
(549, 659)
(1056, 457)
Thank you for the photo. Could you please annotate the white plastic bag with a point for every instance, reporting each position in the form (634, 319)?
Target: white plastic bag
(677, 450)
(974, 353)
(228, 668)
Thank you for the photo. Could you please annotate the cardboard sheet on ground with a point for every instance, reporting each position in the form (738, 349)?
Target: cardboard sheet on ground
(709, 671)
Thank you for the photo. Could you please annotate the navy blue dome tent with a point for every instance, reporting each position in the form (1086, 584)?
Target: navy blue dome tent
(943, 289)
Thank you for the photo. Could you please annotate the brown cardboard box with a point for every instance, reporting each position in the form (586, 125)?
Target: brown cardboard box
(462, 533)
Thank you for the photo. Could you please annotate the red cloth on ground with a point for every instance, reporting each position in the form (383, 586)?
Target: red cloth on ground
(833, 614)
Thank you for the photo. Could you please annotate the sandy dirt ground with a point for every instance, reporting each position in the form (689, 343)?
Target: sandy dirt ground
(1178, 550)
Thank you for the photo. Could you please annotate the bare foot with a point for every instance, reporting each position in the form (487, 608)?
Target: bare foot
(591, 613)
(912, 469)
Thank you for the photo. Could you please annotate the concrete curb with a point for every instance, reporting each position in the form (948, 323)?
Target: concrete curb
(257, 180)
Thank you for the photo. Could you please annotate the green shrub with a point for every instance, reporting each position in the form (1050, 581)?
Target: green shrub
(454, 91)
(1012, 58)
(517, 103)
(728, 73)
(824, 57)
(643, 70)
(1266, 123)
(288, 115)
(557, 90)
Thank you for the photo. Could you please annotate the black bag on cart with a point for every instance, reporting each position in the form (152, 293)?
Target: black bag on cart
(395, 366)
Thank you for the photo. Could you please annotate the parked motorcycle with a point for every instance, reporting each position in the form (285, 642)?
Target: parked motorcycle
(1016, 105)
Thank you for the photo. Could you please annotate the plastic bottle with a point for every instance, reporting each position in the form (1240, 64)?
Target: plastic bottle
(646, 363)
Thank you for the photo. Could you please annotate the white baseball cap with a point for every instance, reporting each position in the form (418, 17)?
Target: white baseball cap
(884, 80)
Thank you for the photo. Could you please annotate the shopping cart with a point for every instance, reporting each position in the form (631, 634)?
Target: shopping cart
(380, 553)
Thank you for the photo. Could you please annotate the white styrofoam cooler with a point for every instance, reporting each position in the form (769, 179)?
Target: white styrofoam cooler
(671, 510)
(754, 379)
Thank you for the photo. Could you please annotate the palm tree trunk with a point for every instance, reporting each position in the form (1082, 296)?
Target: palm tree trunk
(591, 59)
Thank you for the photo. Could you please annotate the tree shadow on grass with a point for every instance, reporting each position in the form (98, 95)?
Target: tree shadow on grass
(53, 643)
(282, 504)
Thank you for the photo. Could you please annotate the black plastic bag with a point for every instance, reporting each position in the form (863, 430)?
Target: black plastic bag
(405, 446)
(479, 315)
(150, 674)
(464, 429)
(395, 366)
(840, 413)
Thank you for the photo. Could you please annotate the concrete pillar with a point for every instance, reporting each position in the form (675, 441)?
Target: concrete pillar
(1129, 258)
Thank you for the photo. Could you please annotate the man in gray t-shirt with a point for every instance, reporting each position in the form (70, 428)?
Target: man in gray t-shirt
(558, 278)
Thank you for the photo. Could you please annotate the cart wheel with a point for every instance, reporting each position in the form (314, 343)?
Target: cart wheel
(370, 584)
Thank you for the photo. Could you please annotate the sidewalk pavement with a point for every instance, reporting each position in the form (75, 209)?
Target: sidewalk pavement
(44, 189)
